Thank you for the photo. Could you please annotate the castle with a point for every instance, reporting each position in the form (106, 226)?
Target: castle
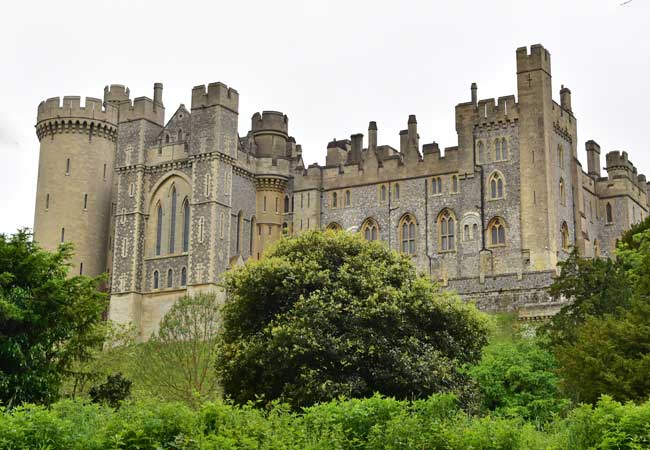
(166, 207)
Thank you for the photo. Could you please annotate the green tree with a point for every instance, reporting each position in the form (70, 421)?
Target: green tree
(113, 391)
(177, 363)
(594, 287)
(611, 354)
(47, 319)
(324, 315)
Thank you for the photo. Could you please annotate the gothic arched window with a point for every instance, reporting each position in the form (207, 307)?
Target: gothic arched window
(183, 276)
(608, 212)
(396, 191)
(238, 233)
(156, 279)
(348, 199)
(497, 150)
(186, 225)
(447, 231)
(565, 236)
(497, 232)
(436, 185)
(370, 230)
(504, 149)
(159, 225)
(286, 204)
(334, 227)
(407, 234)
(334, 200)
(496, 186)
(172, 221)
(170, 278)
(383, 193)
(562, 193)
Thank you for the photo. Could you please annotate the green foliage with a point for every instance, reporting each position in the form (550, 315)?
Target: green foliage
(113, 391)
(177, 363)
(375, 423)
(518, 379)
(602, 340)
(47, 320)
(325, 315)
(595, 286)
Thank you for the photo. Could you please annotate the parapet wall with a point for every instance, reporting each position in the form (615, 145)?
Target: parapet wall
(93, 109)
(216, 94)
(538, 58)
(142, 108)
(270, 121)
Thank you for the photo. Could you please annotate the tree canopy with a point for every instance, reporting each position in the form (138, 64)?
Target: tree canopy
(324, 315)
(47, 319)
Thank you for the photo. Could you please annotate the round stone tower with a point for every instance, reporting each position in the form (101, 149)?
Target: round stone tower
(75, 179)
(270, 130)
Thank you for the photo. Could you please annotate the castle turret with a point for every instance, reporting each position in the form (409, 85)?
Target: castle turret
(75, 177)
(270, 130)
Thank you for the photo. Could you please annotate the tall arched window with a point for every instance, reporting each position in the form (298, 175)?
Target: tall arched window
(496, 186)
(608, 212)
(370, 230)
(180, 135)
(596, 248)
(504, 149)
(159, 224)
(238, 232)
(201, 222)
(156, 279)
(436, 185)
(480, 150)
(560, 155)
(183, 276)
(348, 199)
(383, 193)
(172, 221)
(562, 193)
(170, 278)
(334, 200)
(565, 236)
(407, 234)
(497, 149)
(447, 231)
(286, 204)
(166, 139)
(186, 225)
(396, 191)
(497, 232)
(454, 183)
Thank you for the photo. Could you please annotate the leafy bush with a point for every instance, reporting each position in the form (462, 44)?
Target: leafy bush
(375, 423)
(329, 314)
(518, 379)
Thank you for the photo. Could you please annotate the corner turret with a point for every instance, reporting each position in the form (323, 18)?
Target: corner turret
(270, 131)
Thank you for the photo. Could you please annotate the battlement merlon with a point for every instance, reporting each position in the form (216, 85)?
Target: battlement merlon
(93, 109)
(487, 110)
(537, 59)
(618, 160)
(217, 94)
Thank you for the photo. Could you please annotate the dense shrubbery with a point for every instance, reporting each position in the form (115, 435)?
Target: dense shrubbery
(374, 424)
(324, 315)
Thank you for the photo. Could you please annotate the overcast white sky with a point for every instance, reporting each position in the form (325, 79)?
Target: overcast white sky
(331, 66)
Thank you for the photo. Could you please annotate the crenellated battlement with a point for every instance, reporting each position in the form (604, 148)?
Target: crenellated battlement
(142, 108)
(270, 121)
(216, 94)
(616, 160)
(537, 59)
(93, 109)
(116, 93)
(488, 111)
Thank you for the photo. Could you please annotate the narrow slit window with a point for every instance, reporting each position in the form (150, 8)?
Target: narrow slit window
(85, 201)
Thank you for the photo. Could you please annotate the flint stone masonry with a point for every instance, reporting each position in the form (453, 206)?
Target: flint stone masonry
(244, 192)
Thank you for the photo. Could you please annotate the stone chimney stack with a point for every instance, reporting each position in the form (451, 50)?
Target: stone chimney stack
(372, 136)
(565, 98)
(157, 94)
(474, 94)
